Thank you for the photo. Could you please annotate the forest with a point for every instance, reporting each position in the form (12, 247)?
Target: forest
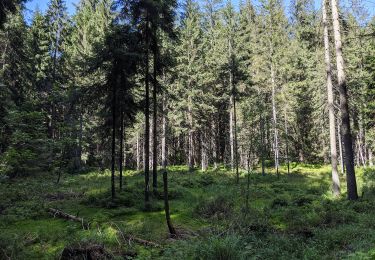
(187, 129)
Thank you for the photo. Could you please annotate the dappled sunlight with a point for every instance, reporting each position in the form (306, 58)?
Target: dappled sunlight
(296, 205)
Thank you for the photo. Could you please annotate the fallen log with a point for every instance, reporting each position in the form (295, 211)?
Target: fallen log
(61, 214)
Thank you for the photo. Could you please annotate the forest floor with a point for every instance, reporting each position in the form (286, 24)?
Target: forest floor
(291, 217)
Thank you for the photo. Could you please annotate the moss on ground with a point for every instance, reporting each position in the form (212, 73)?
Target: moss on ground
(291, 217)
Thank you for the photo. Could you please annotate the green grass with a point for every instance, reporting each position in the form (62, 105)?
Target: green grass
(291, 217)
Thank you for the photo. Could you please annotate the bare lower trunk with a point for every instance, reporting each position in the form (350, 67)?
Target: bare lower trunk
(121, 146)
(274, 121)
(342, 166)
(154, 132)
(138, 153)
(286, 141)
(204, 153)
(235, 140)
(344, 106)
(113, 139)
(214, 145)
(191, 141)
(332, 130)
(231, 134)
(261, 123)
(146, 163)
(164, 155)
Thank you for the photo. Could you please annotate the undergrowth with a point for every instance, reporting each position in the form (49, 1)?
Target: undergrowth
(291, 217)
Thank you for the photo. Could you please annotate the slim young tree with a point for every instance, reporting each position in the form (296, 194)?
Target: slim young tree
(164, 155)
(332, 130)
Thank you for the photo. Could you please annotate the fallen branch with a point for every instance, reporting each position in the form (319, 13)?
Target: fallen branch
(60, 214)
(135, 239)
(142, 241)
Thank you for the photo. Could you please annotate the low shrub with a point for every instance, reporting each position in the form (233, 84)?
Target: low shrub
(206, 180)
(173, 193)
(281, 201)
(219, 248)
(218, 207)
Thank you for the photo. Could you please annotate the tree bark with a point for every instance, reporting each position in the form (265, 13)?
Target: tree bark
(261, 123)
(286, 141)
(342, 167)
(113, 138)
(121, 145)
(164, 155)
(190, 137)
(154, 130)
(204, 152)
(274, 121)
(147, 121)
(347, 136)
(331, 111)
(214, 143)
(231, 134)
(235, 139)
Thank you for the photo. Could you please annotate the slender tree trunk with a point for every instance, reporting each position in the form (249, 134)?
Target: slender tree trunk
(332, 130)
(147, 122)
(342, 166)
(262, 143)
(231, 134)
(274, 121)
(347, 136)
(80, 136)
(248, 180)
(233, 117)
(370, 162)
(214, 143)
(286, 141)
(204, 153)
(154, 130)
(190, 137)
(164, 155)
(138, 153)
(113, 138)
(121, 145)
(235, 139)
(362, 143)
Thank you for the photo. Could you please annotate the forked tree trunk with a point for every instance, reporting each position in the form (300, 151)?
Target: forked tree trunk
(331, 111)
(344, 106)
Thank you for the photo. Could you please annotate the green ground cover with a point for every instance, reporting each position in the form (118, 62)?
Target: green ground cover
(291, 217)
